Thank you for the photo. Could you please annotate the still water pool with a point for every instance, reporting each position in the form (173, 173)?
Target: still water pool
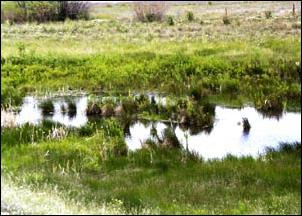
(226, 136)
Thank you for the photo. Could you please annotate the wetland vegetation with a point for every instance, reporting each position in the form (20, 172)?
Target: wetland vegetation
(174, 68)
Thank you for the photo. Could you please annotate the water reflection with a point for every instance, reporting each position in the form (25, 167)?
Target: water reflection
(32, 113)
(227, 136)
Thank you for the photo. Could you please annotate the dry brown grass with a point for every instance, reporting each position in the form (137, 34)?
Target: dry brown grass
(149, 11)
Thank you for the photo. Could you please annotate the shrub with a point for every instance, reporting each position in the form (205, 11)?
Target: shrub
(190, 16)
(73, 10)
(43, 11)
(225, 18)
(268, 14)
(149, 11)
(40, 11)
(170, 20)
(210, 3)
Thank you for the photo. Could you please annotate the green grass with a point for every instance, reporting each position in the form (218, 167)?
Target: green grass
(273, 72)
(88, 169)
(122, 54)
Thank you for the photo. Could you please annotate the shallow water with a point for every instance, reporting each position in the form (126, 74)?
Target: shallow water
(30, 112)
(226, 136)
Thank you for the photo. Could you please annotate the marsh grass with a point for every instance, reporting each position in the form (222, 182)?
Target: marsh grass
(95, 157)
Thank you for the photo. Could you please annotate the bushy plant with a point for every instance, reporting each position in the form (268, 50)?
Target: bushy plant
(43, 11)
(190, 16)
(170, 20)
(226, 20)
(149, 11)
(268, 14)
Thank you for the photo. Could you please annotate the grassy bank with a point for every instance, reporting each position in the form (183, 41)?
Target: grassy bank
(94, 169)
(274, 73)
(119, 53)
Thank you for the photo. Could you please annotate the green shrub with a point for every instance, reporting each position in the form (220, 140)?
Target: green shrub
(226, 20)
(190, 16)
(170, 20)
(268, 14)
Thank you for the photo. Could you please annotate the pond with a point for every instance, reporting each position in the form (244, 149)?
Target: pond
(225, 137)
